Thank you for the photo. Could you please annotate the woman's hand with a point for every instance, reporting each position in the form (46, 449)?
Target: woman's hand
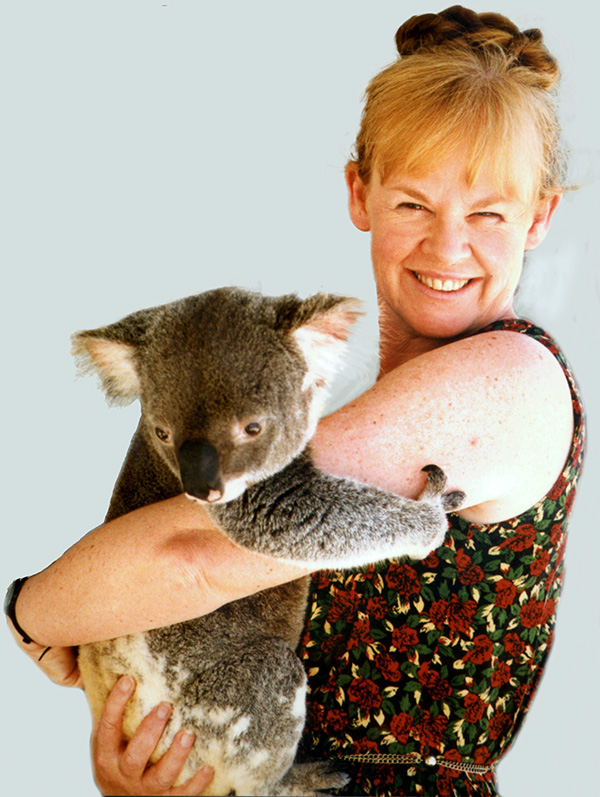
(122, 768)
(59, 664)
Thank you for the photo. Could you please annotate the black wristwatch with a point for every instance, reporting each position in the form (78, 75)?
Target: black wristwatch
(10, 601)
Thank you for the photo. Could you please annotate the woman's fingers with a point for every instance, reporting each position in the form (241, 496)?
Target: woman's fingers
(164, 773)
(143, 742)
(123, 767)
(107, 737)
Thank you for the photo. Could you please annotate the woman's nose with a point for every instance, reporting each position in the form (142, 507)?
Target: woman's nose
(446, 240)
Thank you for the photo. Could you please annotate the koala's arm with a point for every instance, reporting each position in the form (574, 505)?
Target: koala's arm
(305, 516)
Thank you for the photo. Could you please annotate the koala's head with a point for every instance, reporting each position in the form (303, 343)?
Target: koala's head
(231, 383)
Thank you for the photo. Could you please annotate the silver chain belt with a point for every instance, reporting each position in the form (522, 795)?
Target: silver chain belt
(417, 758)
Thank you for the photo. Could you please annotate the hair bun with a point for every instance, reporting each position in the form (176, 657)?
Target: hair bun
(461, 27)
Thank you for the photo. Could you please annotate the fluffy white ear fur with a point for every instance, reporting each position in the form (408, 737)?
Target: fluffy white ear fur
(114, 363)
(323, 339)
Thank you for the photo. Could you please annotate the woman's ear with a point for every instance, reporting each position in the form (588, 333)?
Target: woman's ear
(357, 196)
(542, 217)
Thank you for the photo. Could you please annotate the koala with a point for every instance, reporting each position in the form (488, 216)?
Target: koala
(231, 385)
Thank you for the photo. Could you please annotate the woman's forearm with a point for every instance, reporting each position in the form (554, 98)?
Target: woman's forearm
(156, 566)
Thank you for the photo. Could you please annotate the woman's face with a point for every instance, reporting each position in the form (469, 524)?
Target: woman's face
(447, 257)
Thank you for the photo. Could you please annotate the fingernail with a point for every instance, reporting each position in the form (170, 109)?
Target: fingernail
(163, 711)
(187, 738)
(126, 683)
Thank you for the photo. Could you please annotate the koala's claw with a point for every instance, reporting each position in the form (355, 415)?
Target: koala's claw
(453, 500)
(436, 481)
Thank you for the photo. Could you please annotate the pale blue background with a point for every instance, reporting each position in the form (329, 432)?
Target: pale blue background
(151, 150)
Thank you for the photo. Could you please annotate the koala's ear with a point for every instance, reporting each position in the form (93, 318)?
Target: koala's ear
(322, 331)
(112, 352)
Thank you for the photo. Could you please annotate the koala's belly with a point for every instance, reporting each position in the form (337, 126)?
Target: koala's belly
(248, 711)
(102, 664)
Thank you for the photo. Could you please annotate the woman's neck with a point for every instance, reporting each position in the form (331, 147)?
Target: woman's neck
(397, 346)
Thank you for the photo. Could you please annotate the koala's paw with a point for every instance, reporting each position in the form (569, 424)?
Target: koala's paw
(436, 481)
(312, 779)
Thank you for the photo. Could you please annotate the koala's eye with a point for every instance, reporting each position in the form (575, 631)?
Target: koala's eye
(253, 429)
(161, 434)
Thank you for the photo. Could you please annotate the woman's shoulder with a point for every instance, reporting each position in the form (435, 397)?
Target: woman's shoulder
(532, 389)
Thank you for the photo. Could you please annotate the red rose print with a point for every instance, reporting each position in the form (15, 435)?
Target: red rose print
(549, 610)
(501, 674)
(431, 562)
(438, 687)
(364, 745)
(335, 646)
(344, 606)
(360, 634)
(404, 638)
(474, 707)
(431, 730)
(462, 560)
(453, 755)
(513, 644)
(404, 579)
(389, 667)
(460, 615)
(438, 613)
(336, 720)
(482, 650)
(481, 755)
(364, 693)
(540, 563)
(523, 538)
(400, 726)
(321, 579)
(520, 692)
(377, 608)
(558, 488)
(471, 575)
(556, 535)
(532, 614)
(499, 724)
(506, 592)
(314, 714)
(383, 777)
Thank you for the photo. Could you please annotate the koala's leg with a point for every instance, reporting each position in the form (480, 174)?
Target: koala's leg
(311, 779)
(247, 708)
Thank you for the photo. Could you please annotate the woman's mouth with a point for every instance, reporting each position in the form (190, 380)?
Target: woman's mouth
(436, 284)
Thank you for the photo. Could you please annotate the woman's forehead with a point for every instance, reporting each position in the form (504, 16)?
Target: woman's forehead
(487, 184)
(504, 174)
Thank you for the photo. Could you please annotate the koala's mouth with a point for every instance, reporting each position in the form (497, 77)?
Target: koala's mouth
(232, 488)
(213, 497)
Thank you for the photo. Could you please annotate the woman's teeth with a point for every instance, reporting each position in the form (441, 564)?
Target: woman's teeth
(441, 285)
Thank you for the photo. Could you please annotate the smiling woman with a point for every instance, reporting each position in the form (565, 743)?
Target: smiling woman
(422, 671)
(436, 238)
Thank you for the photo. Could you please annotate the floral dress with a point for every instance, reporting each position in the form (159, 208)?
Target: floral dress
(421, 672)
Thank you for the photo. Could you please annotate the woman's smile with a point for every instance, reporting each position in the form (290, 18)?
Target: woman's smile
(442, 284)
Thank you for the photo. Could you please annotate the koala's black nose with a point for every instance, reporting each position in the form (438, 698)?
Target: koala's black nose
(199, 468)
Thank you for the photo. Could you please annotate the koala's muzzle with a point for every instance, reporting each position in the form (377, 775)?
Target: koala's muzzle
(200, 470)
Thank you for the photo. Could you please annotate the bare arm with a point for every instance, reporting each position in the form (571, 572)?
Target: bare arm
(493, 411)
(159, 565)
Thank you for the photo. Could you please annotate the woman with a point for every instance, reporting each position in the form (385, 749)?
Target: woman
(420, 673)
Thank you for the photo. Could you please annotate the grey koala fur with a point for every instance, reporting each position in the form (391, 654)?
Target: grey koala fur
(231, 386)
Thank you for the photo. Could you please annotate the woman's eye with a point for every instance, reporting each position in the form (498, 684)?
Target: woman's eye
(253, 429)
(411, 206)
(490, 214)
(161, 434)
